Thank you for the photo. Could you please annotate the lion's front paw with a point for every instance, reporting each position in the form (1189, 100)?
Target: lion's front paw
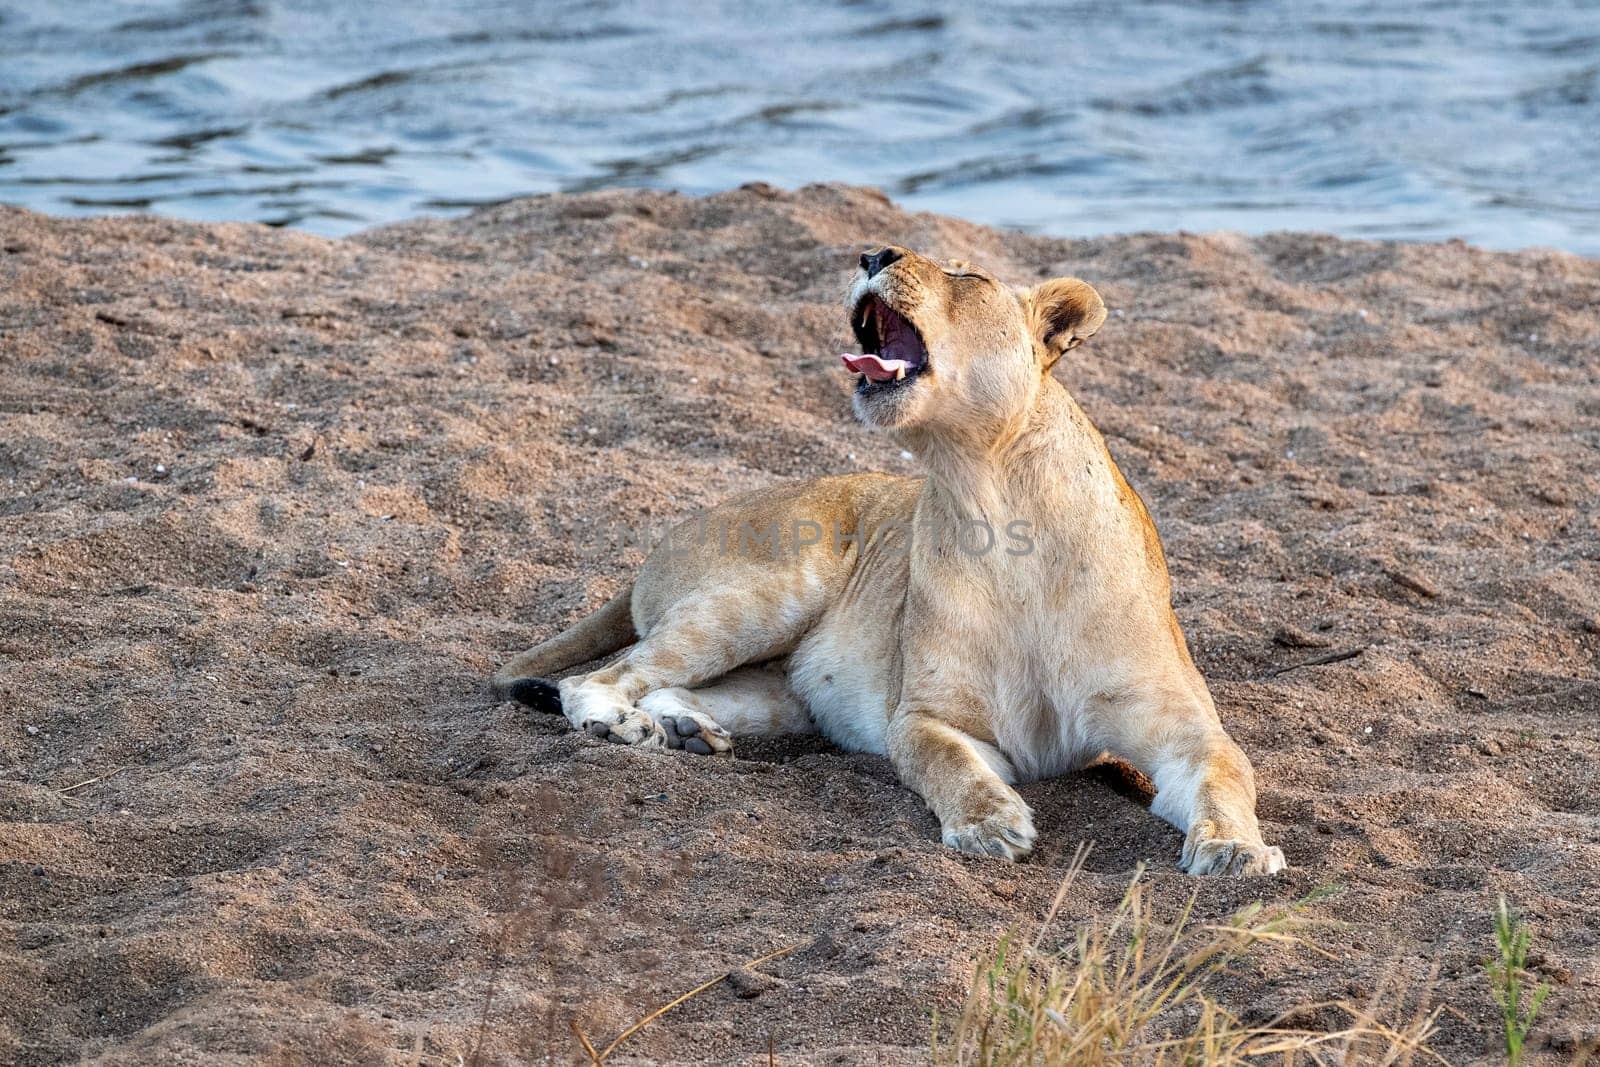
(1007, 832)
(1217, 855)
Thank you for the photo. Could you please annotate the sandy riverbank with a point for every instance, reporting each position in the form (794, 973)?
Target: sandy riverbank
(274, 506)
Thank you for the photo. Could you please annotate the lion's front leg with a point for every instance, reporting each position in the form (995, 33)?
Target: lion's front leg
(964, 781)
(1204, 786)
(1210, 794)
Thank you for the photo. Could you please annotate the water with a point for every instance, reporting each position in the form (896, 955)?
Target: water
(1460, 118)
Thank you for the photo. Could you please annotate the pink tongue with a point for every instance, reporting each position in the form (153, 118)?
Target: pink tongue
(879, 370)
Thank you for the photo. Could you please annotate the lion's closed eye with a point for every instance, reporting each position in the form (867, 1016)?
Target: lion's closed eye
(960, 268)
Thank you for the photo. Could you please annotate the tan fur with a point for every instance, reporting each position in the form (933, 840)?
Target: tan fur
(971, 671)
(599, 634)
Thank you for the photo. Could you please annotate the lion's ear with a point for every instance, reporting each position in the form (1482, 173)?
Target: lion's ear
(1062, 314)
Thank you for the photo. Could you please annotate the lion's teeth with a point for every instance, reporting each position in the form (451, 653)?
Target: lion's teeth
(899, 373)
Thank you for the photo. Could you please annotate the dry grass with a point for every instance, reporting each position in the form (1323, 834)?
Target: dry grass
(1130, 990)
(599, 1056)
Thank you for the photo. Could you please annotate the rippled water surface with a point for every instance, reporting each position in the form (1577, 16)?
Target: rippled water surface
(1463, 118)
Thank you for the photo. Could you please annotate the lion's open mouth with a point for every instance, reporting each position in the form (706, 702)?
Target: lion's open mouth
(892, 352)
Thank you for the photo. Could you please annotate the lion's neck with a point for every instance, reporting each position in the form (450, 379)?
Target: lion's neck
(1035, 466)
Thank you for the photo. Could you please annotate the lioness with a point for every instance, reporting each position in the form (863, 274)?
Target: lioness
(843, 605)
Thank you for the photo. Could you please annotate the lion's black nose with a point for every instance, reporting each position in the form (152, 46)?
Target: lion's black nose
(873, 262)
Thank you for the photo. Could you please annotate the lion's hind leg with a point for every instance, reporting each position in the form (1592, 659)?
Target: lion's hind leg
(696, 642)
(706, 604)
(747, 702)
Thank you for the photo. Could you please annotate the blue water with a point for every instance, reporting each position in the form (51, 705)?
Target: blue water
(1458, 118)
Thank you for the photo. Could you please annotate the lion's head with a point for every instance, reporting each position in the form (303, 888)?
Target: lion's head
(948, 346)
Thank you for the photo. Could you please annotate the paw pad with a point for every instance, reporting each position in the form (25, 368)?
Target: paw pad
(632, 728)
(685, 732)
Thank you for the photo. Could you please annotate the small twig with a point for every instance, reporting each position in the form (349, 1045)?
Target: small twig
(696, 991)
(92, 781)
(1336, 656)
(583, 1039)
